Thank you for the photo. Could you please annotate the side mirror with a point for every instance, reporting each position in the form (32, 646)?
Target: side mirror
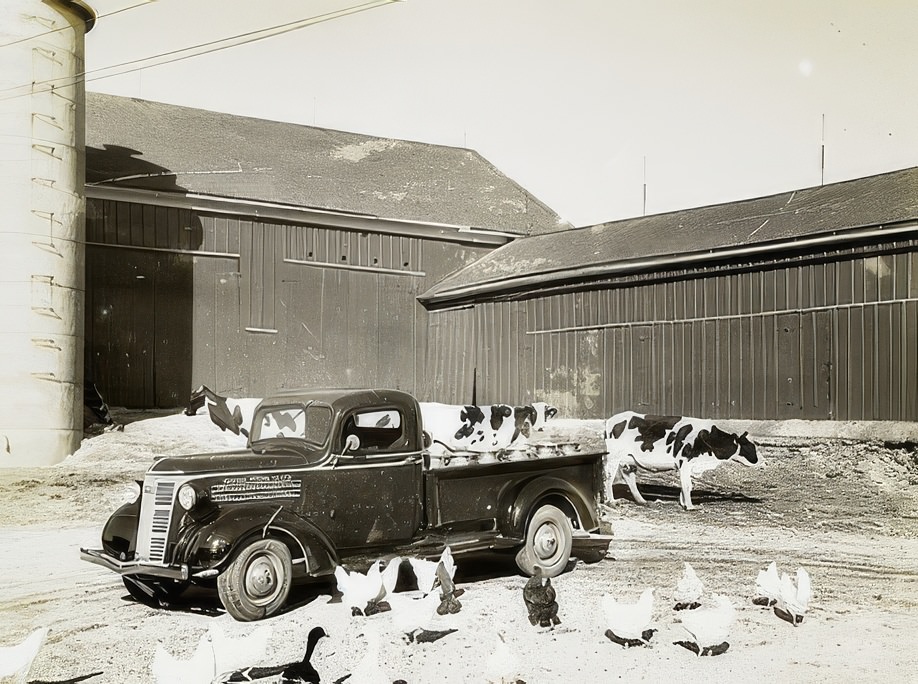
(352, 443)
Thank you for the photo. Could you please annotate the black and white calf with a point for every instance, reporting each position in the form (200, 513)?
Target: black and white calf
(657, 443)
(480, 429)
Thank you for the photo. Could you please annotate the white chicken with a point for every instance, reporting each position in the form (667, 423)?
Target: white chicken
(767, 586)
(364, 594)
(426, 571)
(232, 652)
(200, 668)
(709, 627)
(794, 598)
(502, 666)
(16, 660)
(688, 590)
(629, 623)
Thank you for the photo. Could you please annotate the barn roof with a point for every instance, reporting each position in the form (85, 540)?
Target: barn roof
(696, 237)
(154, 146)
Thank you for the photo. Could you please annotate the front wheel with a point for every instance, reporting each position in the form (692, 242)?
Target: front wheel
(257, 582)
(549, 537)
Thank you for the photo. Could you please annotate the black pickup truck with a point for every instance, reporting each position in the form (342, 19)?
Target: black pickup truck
(332, 475)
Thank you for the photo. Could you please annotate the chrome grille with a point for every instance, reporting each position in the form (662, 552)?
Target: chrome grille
(155, 517)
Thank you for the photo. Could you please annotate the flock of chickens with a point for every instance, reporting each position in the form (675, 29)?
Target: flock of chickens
(220, 659)
(707, 625)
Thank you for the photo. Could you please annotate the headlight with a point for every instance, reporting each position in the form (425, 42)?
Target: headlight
(187, 497)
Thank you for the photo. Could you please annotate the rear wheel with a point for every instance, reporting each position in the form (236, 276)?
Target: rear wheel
(549, 537)
(257, 582)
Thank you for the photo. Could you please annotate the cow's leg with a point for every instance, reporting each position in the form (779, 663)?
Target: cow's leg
(685, 479)
(628, 471)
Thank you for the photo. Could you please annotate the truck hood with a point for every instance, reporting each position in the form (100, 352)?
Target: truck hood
(228, 461)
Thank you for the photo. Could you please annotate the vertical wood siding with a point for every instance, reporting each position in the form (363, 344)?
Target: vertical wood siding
(177, 298)
(831, 340)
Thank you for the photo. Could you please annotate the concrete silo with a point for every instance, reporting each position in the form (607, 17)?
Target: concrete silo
(42, 229)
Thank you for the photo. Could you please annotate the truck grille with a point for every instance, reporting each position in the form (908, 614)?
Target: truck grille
(155, 517)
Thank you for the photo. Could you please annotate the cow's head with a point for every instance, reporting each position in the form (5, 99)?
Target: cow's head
(746, 453)
(543, 413)
(524, 418)
(728, 446)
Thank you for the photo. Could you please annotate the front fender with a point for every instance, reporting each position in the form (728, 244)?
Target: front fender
(213, 544)
(521, 503)
(119, 536)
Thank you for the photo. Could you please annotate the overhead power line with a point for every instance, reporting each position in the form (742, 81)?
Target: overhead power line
(184, 53)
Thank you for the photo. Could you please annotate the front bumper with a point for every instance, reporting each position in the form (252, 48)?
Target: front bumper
(100, 557)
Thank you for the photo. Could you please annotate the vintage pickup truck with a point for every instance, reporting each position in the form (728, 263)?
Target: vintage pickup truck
(333, 475)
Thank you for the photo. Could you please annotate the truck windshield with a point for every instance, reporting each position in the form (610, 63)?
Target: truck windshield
(307, 423)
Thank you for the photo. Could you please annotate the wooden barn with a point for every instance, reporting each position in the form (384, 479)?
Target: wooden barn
(797, 305)
(252, 255)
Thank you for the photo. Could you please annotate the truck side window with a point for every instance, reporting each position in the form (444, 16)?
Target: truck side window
(380, 431)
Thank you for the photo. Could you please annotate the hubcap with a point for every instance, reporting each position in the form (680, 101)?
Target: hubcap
(546, 541)
(261, 578)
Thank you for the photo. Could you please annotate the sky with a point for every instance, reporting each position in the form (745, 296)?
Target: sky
(602, 109)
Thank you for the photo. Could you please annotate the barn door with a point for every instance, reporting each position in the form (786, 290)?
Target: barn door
(121, 319)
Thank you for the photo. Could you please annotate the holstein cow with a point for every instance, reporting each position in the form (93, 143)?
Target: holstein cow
(230, 415)
(657, 443)
(479, 429)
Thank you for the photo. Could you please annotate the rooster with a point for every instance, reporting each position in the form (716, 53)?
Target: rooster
(629, 623)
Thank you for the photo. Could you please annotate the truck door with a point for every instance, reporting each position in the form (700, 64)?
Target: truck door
(372, 493)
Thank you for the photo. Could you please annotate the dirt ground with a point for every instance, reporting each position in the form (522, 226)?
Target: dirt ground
(845, 509)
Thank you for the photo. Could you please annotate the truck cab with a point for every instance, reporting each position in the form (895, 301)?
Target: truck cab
(329, 475)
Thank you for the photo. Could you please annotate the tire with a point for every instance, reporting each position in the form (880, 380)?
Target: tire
(153, 592)
(549, 537)
(256, 584)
